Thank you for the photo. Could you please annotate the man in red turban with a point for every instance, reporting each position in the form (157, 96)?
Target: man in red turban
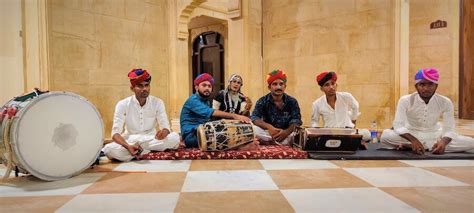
(276, 115)
(135, 120)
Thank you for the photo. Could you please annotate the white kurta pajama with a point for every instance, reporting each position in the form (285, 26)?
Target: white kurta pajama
(421, 120)
(345, 111)
(140, 127)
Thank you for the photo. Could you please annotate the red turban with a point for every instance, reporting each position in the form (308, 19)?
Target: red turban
(203, 77)
(274, 75)
(137, 76)
(326, 76)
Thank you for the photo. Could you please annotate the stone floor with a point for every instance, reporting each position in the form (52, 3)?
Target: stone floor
(253, 186)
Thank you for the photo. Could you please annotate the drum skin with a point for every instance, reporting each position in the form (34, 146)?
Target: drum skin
(224, 134)
(56, 135)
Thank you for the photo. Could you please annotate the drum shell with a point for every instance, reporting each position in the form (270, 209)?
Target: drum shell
(14, 132)
(224, 135)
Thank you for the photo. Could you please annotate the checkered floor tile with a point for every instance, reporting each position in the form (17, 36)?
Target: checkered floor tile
(251, 186)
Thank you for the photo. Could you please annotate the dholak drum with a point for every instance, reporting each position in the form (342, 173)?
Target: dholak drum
(224, 134)
(52, 136)
(327, 140)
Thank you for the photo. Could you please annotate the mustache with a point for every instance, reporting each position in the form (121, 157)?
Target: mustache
(278, 90)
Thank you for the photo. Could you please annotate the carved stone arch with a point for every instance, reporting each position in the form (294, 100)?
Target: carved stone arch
(232, 10)
(184, 18)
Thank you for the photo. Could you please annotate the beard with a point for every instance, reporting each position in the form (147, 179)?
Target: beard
(204, 95)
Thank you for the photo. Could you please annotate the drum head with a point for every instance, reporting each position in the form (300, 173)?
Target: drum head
(57, 135)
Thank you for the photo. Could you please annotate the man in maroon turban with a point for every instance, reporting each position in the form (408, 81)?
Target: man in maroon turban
(134, 129)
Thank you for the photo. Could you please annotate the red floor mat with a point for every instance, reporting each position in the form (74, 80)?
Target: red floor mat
(265, 152)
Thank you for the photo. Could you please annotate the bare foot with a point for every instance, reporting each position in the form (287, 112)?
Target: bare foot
(250, 146)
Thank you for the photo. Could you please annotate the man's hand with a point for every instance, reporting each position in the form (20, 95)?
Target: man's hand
(242, 118)
(417, 147)
(282, 135)
(134, 150)
(249, 104)
(439, 146)
(274, 132)
(160, 135)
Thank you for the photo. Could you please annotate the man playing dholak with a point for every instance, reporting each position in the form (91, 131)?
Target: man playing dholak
(416, 123)
(140, 113)
(276, 115)
(197, 110)
(231, 99)
(338, 109)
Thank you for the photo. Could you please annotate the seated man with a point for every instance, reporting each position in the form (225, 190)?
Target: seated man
(416, 123)
(197, 110)
(140, 113)
(338, 109)
(276, 115)
(231, 99)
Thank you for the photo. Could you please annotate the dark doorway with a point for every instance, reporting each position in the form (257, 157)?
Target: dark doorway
(466, 68)
(208, 57)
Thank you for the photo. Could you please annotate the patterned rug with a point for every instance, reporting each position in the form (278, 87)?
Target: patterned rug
(265, 152)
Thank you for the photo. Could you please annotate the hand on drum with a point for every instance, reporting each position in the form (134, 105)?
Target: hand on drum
(242, 118)
(160, 135)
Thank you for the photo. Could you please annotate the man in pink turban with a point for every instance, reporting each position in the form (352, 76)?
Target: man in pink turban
(416, 125)
(197, 110)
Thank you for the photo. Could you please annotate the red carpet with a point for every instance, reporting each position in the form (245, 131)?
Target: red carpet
(265, 152)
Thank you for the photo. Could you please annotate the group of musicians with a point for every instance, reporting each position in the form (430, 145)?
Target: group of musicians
(277, 114)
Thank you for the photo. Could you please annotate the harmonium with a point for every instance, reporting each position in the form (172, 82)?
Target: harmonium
(327, 140)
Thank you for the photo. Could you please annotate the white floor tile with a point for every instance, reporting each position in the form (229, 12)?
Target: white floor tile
(136, 202)
(241, 180)
(345, 200)
(438, 163)
(35, 187)
(402, 177)
(155, 166)
(297, 164)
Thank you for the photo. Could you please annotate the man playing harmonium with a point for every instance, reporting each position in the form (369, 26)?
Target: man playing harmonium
(416, 125)
(276, 115)
(338, 109)
(231, 99)
(140, 113)
(197, 110)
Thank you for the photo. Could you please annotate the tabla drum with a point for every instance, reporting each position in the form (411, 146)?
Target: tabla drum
(52, 136)
(327, 140)
(224, 134)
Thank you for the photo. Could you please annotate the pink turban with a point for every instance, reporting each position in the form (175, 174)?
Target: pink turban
(429, 74)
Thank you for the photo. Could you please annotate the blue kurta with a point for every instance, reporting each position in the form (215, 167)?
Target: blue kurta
(196, 110)
(266, 110)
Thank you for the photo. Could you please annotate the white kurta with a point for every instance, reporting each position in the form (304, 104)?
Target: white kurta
(137, 124)
(345, 111)
(264, 135)
(422, 120)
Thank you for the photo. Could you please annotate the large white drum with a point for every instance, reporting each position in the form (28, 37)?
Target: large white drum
(52, 136)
